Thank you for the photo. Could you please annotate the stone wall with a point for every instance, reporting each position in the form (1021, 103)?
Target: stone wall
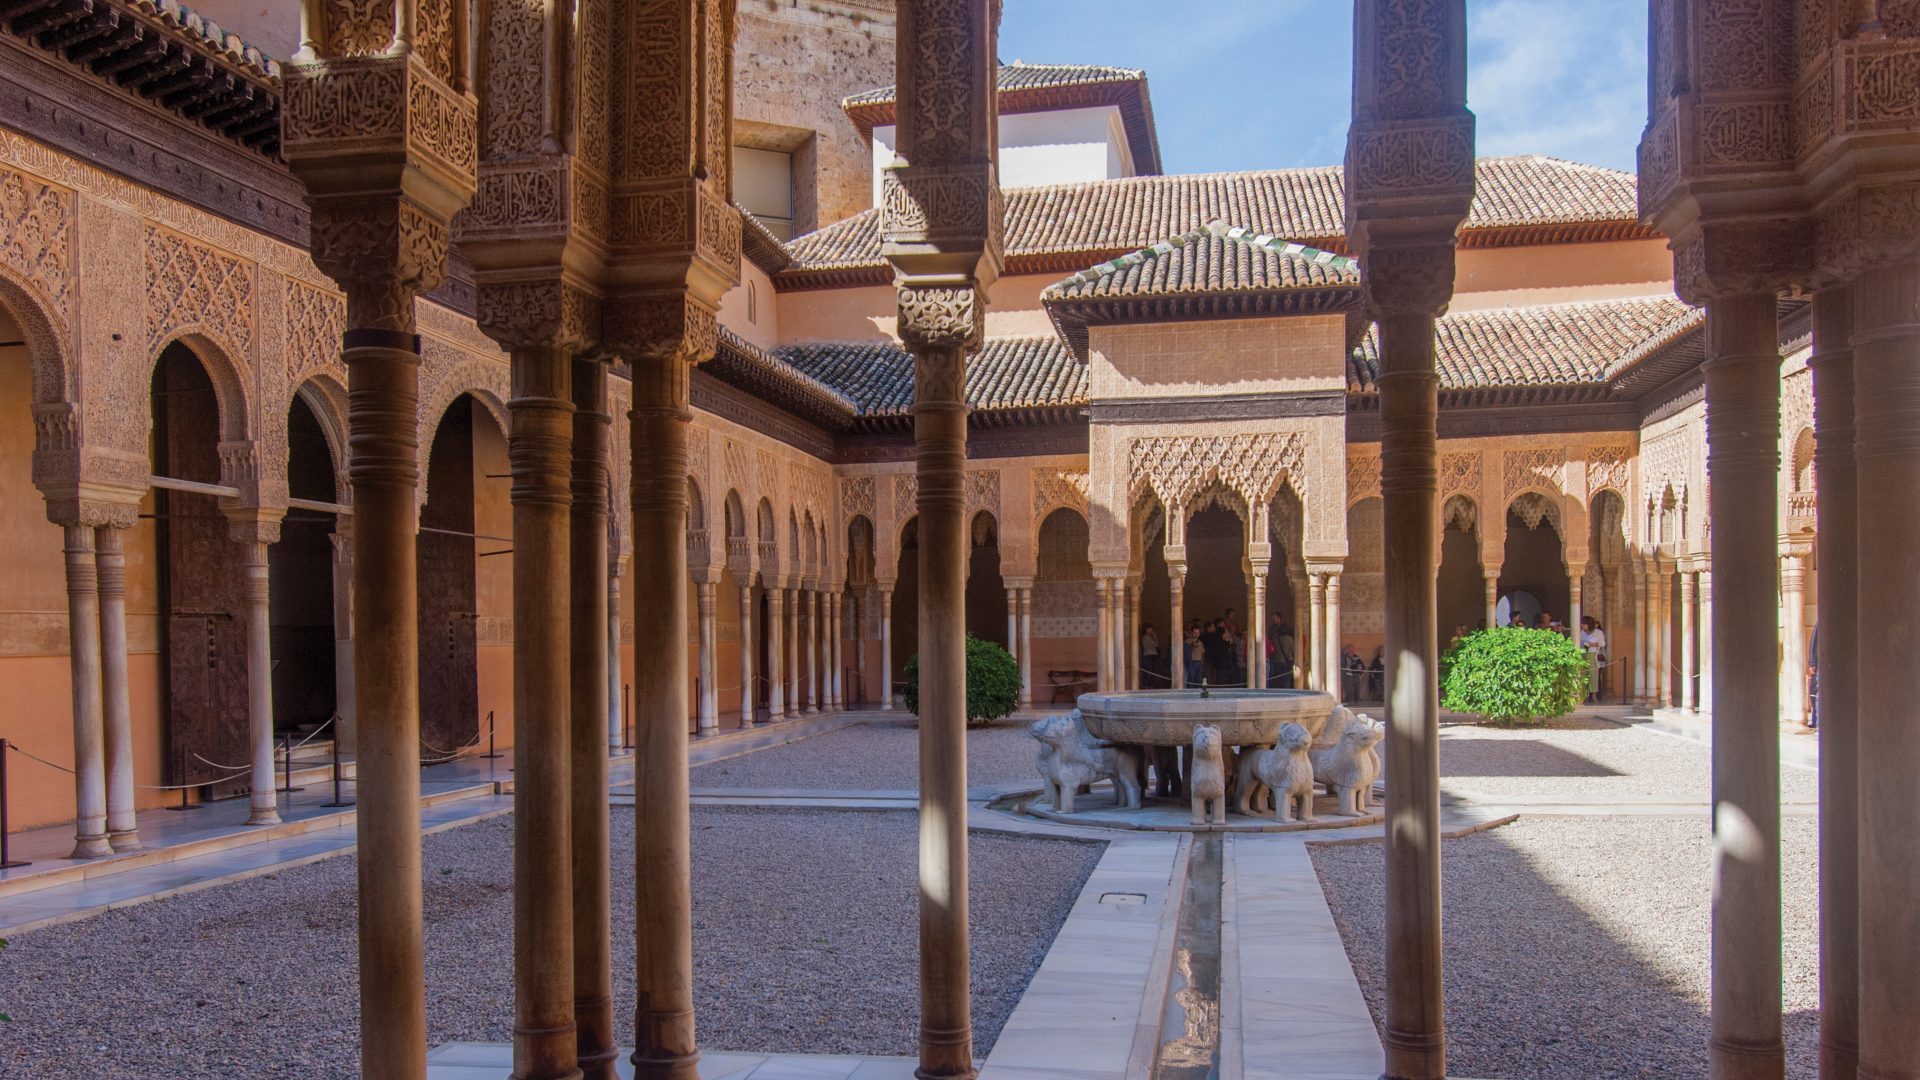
(794, 61)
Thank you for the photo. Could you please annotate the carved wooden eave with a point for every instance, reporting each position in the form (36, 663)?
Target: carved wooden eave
(741, 364)
(1074, 318)
(162, 58)
(763, 249)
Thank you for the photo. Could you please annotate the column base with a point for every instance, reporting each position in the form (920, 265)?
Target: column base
(262, 815)
(91, 847)
(125, 840)
(683, 1067)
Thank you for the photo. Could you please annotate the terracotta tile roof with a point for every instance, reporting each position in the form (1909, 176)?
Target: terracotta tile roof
(1009, 374)
(1546, 345)
(741, 363)
(1019, 76)
(1216, 259)
(1519, 200)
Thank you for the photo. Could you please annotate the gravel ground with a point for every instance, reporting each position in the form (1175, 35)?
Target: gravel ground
(879, 755)
(1578, 947)
(1585, 759)
(805, 941)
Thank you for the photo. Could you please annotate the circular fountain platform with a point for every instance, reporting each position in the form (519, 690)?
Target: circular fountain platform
(1168, 717)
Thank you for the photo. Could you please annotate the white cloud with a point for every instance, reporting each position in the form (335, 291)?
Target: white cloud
(1559, 77)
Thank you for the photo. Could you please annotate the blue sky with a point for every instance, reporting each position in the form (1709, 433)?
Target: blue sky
(1260, 84)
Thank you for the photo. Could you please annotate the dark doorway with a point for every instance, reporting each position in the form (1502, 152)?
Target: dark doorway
(202, 597)
(301, 570)
(449, 641)
(986, 590)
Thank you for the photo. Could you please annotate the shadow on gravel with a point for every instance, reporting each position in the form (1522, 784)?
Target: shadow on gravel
(1514, 757)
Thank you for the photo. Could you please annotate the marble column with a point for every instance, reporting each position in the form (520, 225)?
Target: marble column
(1743, 462)
(1257, 633)
(1133, 634)
(1491, 577)
(1302, 631)
(1026, 645)
(589, 703)
(1643, 645)
(1837, 578)
(263, 803)
(1663, 635)
(123, 827)
(1886, 341)
(540, 450)
(1103, 634)
(346, 726)
(746, 648)
(836, 636)
(616, 670)
(886, 647)
(1706, 639)
(1689, 603)
(708, 707)
(814, 680)
(862, 688)
(1317, 677)
(663, 893)
(1334, 677)
(796, 625)
(1013, 622)
(1575, 579)
(1793, 643)
(776, 650)
(1177, 633)
(89, 735)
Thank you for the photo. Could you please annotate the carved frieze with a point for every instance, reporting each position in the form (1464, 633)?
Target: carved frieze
(315, 320)
(1252, 465)
(856, 497)
(36, 237)
(191, 284)
(1607, 469)
(1535, 468)
(1363, 477)
(1055, 486)
(1460, 473)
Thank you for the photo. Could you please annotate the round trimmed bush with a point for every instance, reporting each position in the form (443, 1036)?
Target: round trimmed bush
(1513, 677)
(993, 683)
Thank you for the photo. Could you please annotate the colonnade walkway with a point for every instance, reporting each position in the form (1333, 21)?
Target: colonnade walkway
(212, 843)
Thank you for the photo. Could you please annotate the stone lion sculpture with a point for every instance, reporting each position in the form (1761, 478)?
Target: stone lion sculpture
(1207, 776)
(1349, 767)
(1249, 794)
(1288, 773)
(1070, 757)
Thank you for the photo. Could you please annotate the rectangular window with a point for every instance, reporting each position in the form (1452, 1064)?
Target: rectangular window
(763, 186)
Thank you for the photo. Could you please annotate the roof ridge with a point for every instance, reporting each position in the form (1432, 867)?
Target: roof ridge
(1285, 248)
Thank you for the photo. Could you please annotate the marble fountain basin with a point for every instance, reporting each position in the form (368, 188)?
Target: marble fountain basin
(1167, 717)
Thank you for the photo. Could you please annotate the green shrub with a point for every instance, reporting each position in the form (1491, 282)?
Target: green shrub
(993, 683)
(1513, 677)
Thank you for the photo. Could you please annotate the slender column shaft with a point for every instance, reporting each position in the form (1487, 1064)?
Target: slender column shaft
(1257, 634)
(1573, 601)
(940, 444)
(83, 651)
(344, 695)
(1743, 461)
(663, 894)
(1886, 344)
(1317, 678)
(616, 704)
(1026, 645)
(813, 650)
(1302, 632)
(540, 450)
(1706, 639)
(709, 721)
(123, 829)
(886, 648)
(862, 691)
(837, 634)
(1013, 623)
(796, 625)
(1177, 633)
(776, 683)
(1132, 645)
(1663, 633)
(1415, 1029)
(746, 651)
(1492, 579)
(1793, 643)
(1838, 637)
(1103, 634)
(1689, 603)
(587, 570)
(262, 803)
(383, 400)
(1642, 633)
(1334, 676)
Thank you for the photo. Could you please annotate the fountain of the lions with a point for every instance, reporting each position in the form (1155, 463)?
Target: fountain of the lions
(1234, 759)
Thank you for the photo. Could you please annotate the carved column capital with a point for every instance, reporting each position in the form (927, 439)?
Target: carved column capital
(665, 326)
(545, 311)
(941, 316)
(1715, 259)
(1409, 279)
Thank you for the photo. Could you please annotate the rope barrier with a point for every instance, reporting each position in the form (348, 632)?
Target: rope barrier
(15, 747)
(217, 765)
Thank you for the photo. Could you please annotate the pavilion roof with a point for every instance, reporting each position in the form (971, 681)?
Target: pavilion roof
(1015, 375)
(1061, 228)
(1027, 88)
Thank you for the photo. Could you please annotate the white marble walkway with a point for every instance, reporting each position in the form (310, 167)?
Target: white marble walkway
(494, 1061)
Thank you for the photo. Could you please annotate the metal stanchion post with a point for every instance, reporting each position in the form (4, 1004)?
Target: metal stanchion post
(7, 861)
(337, 800)
(491, 752)
(180, 770)
(626, 716)
(287, 769)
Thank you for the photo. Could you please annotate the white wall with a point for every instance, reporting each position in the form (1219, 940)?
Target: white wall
(272, 26)
(1067, 146)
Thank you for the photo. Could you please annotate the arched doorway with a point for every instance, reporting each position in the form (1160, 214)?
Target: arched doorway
(1217, 584)
(1603, 594)
(1462, 598)
(767, 551)
(1156, 595)
(986, 590)
(1533, 570)
(300, 569)
(862, 685)
(202, 600)
(1064, 620)
(906, 601)
(465, 567)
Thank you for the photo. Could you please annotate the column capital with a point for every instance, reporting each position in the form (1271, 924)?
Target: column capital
(254, 524)
(92, 512)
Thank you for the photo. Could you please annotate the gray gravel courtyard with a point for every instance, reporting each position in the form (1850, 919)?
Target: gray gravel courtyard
(1578, 947)
(882, 754)
(805, 941)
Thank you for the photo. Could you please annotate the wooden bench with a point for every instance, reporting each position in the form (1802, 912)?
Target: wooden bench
(1072, 683)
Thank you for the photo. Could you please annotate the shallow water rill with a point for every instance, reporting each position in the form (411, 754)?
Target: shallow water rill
(1190, 1023)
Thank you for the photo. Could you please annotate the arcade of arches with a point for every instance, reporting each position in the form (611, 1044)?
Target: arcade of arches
(277, 457)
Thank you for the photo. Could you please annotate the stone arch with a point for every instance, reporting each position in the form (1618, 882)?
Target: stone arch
(1802, 477)
(1669, 517)
(55, 407)
(860, 551)
(767, 540)
(447, 376)
(1534, 505)
(696, 506)
(229, 376)
(986, 590)
(809, 543)
(1460, 512)
(328, 400)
